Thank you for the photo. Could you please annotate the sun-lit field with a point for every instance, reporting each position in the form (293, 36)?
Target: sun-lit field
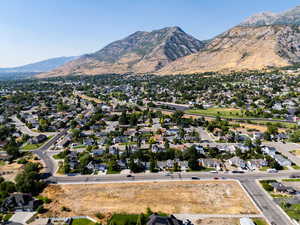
(223, 112)
(197, 197)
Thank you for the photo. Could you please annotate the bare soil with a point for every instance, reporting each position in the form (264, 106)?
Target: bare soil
(197, 197)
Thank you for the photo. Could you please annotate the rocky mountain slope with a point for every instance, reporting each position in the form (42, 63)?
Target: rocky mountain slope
(141, 52)
(41, 66)
(291, 16)
(243, 48)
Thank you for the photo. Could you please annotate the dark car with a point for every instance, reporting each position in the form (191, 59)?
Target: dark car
(195, 178)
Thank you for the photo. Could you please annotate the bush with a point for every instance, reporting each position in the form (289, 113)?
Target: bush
(65, 209)
(99, 215)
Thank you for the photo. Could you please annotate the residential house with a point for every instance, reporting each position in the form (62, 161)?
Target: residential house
(254, 164)
(155, 219)
(282, 161)
(211, 163)
(19, 202)
(38, 139)
(238, 162)
(271, 151)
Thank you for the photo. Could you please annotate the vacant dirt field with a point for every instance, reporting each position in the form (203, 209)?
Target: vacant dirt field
(208, 197)
(10, 171)
(218, 221)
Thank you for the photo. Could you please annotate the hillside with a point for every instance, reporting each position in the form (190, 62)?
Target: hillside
(141, 52)
(291, 16)
(243, 48)
(41, 66)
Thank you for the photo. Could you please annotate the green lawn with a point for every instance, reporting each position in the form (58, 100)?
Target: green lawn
(259, 221)
(29, 147)
(296, 167)
(6, 217)
(124, 219)
(113, 172)
(83, 221)
(222, 112)
(293, 211)
(292, 180)
(264, 168)
(79, 146)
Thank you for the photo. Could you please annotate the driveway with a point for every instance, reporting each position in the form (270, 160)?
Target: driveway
(21, 217)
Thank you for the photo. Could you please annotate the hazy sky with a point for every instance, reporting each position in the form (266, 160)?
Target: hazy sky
(33, 30)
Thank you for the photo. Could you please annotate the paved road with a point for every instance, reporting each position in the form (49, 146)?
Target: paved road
(50, 166)
(269, 208)
(25, 130)
(204, 135)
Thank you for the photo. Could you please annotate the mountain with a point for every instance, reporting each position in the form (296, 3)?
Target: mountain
(42, 66)
(141, 52)
(243, 48)
(291, 16)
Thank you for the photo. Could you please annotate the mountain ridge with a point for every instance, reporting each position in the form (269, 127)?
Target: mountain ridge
(140, 52)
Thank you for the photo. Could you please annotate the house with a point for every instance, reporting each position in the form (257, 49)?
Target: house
(254, 164)
(98, 152)
(238, 162)
(19, 202)
(200, 149)
(5, 157)
(211, 163)
(271, 151)
(156, 149)
(88, 142)
(64, 143)
(280, 188)
(38, 139)
(155, 219)
(282, 161)
(96, 167)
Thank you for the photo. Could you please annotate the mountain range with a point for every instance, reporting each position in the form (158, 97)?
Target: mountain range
(264, 40)
(41, 66)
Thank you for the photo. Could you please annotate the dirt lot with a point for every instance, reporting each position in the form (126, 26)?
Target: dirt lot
(208, 197)
(218, 221)
(10, 171)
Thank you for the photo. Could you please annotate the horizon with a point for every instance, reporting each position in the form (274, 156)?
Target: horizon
(47, 30)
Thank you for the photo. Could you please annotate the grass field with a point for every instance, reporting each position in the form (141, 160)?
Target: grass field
(208, 197)
(29, 147)
(222, 112)
(82, 221)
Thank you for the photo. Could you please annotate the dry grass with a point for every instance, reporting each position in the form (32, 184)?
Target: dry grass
(10, 171)
(207, 197)
(296, 152)
(218, 221)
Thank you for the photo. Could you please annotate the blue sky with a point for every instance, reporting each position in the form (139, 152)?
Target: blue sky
(33, 30)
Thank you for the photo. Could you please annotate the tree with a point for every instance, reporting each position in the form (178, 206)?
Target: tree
(193, 164)
(153, 166)
(113, 166)
(12, 149)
